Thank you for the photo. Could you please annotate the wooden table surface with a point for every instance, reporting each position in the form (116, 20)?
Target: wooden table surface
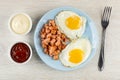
(35, 69)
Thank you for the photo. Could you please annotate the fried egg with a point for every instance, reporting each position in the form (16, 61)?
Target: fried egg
(75, 53)
(71, 24)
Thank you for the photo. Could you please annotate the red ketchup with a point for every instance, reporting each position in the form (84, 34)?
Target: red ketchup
(20, 52)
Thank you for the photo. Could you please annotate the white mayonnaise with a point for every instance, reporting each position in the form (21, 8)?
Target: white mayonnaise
(20, 23)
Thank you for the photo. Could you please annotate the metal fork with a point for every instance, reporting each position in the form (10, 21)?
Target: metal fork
(104, 22)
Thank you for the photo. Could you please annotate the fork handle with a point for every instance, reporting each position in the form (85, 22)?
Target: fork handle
(101, 57)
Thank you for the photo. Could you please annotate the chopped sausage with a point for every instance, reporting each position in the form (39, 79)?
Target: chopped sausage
(58, 43)
(53, 32)
(56, 52)
(56, 57)
(46, 41)
(46, 26)
(53, 23)
(43, 30)
(48, 35)
(43, 36)
(52, 49)
(63, 46)
(50, 27)
(52, 40)
(58, 32)
(44, 45)
(47, 31)
(46, 50)
(59, 38)
(53, 36)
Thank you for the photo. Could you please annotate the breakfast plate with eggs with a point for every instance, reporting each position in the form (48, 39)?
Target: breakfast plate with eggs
(66, 38)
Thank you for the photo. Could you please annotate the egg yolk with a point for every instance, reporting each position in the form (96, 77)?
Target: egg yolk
(73, 22)
(76, 56)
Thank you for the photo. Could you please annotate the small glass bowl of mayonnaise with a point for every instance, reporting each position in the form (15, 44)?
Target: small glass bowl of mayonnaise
(20, 23)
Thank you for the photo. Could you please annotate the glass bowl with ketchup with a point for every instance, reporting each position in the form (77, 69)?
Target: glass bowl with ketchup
(21, 52)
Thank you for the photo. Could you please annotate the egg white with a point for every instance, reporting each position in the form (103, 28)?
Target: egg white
(72, 34)
(83, 44)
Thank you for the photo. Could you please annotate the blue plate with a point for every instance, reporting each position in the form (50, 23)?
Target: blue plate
(90, 32)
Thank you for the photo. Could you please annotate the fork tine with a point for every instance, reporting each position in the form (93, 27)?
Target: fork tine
(103, 15)
(109, 13)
